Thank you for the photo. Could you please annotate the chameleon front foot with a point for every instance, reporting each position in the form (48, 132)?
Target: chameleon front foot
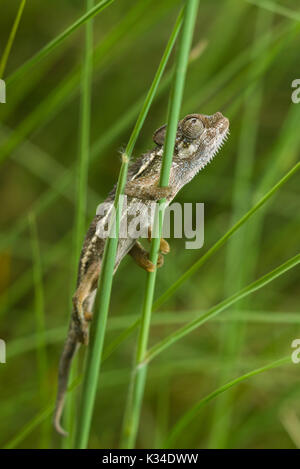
(141, 257)
(164, 246)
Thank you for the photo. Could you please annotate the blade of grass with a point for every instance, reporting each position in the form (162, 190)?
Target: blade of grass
(24, 87)
(115, 378)
(164, 297)
(107, 266)
(39, 304)
(11, 38)
(84, 139)
(44, 202)
(192, 413)
(66, 89)
(61, 183)
(82, 185)
(137, 384)
(29, 427)
(41, 417)
(28, 343)
(14, 141)
(163, 413)
(284, 152)
(48, 197)
(42, 206)
(25, 285)
(136, 15)
(191, 326)
(236, 66)
(193, 269)
(239, 273)
(276, 8)
(128, 29)
(41, 351)
(33, 61)
(128, 117)
(42, 165)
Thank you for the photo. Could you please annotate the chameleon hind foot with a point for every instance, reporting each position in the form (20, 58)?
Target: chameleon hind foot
(80, 315)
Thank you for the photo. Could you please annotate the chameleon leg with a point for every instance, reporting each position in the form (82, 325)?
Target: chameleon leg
(141, 257)
(164, 247)
(86, 286)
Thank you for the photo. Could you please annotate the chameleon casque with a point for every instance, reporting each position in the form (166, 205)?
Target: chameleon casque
(198, 139)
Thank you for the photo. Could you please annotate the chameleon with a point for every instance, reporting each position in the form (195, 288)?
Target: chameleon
(198, 139)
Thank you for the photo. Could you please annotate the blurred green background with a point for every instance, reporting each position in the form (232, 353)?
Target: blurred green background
(243, 61)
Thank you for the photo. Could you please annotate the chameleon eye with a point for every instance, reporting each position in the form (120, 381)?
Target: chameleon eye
(160, 135)
(192, 128)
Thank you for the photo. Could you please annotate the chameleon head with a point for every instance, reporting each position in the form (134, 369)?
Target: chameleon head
(200, 136)
(198, 139)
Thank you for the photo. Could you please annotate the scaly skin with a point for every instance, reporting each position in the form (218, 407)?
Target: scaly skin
(198, 139)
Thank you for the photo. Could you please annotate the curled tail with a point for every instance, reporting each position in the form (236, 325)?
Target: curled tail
(70, 347)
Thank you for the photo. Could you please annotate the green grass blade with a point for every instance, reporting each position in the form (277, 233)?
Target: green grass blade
(82, 186)
(11, 38)
(238, 274)
(127, 28)
(24, 286)
(37, 420)
(29, 343)
(45, 414)
(49, 197)
(136, 388)
(276, 8)
(99, 146)
(29, 427)
(112, 347)
(41, 351)
(105, 282)
(58, 40)
(192, 413)
(191, 326)
(39, 302)
(67, 88)
(84, 143)
(194, 268)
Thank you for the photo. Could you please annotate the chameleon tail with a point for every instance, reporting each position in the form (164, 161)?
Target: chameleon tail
(69, 350)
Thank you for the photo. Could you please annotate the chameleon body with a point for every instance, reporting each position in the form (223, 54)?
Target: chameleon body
(198, 139)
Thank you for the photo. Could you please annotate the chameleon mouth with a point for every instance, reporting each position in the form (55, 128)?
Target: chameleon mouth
(223, 126)
(222, 138)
